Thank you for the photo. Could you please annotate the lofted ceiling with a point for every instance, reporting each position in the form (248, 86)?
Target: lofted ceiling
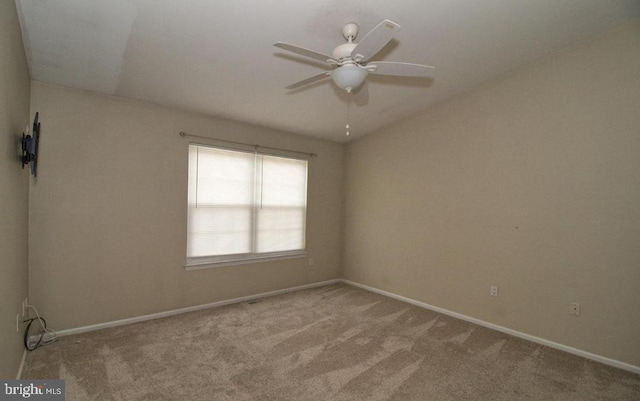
(217, 56)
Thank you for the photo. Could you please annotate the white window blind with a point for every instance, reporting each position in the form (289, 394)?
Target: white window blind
(244, 205)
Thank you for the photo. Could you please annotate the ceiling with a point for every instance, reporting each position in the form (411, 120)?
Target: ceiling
(217, 57)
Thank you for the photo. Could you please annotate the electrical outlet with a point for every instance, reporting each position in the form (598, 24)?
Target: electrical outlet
(493, 290)
(574, 309)
(311, 262)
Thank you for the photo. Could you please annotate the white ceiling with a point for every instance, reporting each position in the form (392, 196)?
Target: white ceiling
(216, 56)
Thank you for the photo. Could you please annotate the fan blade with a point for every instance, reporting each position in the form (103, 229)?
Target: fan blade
(309, 80)
(375, 40)
(306, 52)
(398, 69)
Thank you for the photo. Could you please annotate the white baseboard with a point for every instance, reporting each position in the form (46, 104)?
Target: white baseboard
(217, 304)
(21, 367)
(515, 333)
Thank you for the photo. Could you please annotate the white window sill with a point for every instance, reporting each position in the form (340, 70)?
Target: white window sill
(231, 260)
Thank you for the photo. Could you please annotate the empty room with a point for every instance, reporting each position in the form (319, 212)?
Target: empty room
(320, 200)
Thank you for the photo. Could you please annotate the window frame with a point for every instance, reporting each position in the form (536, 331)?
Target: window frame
(212, 261)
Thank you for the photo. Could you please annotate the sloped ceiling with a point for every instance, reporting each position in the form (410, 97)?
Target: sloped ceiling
(217, 57)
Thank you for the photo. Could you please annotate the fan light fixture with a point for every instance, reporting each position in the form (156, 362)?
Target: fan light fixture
(349, 76)
(349, 62)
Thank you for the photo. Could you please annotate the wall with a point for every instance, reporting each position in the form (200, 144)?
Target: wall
(108, 213)
(14, 187)
(530, 182)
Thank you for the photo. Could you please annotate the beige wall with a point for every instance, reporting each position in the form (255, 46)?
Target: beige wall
(108, 212)
(14, 187)
(530, 182)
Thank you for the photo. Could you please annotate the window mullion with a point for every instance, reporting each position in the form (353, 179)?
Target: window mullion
(257, 194)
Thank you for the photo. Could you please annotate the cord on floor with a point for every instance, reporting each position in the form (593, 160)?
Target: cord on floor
(50, 334)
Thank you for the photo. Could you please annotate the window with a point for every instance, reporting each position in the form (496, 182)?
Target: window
(244, 206)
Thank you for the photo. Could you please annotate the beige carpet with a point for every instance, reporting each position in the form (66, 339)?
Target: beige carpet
(330, 343)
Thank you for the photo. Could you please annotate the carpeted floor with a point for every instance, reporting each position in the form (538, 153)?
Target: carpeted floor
(330, 343)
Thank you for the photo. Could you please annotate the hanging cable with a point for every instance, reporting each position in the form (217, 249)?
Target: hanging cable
(52, 335)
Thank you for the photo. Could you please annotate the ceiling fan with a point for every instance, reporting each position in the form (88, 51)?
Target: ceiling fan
(350, 61)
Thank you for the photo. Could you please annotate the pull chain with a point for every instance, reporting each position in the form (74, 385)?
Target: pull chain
(348, 104)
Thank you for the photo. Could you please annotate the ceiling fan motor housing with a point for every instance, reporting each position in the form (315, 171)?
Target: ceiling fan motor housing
(343, 51)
